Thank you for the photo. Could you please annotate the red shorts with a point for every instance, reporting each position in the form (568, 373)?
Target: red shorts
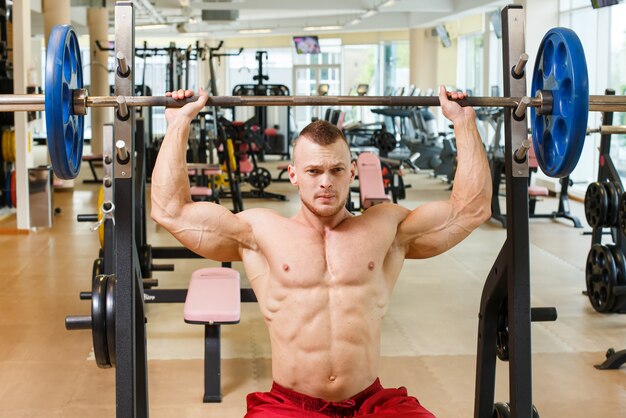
(375, 401)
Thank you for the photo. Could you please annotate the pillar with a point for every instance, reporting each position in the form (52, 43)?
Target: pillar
(423, 59)
(21, 65)
(55, 12)
(97, 20)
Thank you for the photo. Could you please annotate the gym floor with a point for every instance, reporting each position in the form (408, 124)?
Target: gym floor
(429, 333)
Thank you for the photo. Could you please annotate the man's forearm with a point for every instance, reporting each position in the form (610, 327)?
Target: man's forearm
(472, 181)
(170, 182)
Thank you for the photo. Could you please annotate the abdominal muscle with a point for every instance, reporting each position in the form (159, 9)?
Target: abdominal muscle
(325, 339)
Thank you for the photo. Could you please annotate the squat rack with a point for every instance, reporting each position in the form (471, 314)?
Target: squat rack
(505, 305)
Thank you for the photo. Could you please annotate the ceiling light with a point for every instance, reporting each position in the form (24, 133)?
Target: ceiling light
(369, 13)
(388, 3)
(253, 31)
(151, 27)
(195, 34)
(355, 21)
(314, 28)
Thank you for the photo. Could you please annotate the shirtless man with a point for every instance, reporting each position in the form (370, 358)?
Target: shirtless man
(323, 278)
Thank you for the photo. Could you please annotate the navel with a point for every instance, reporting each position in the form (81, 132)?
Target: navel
(285, 267)
(371, 266)
(332, 378)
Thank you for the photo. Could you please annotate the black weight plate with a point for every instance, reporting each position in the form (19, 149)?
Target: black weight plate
(620, 279)
(501, 410)
(612, 213)
(110, 318)
(620, 191)
(622, 213)
(98, 321)
(596, 202)
(96, 268)
(260, 178)
(385, 141)
(600, 277)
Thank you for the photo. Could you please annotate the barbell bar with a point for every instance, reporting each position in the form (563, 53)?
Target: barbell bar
(81, 101)
(559, 103)
(608, 130)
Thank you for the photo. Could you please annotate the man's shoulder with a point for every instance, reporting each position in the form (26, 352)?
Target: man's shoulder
(256, 215)
(386, 211)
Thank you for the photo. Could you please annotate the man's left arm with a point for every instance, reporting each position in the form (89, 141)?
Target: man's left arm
(436, 227)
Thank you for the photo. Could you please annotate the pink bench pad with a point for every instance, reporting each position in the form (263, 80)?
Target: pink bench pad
(538, 191)
(370, 180)
(200, 191)
(213, 296)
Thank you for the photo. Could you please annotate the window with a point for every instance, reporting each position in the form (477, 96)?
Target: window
(470, 63)
(602, 33)
(617, 80)
(312, 70)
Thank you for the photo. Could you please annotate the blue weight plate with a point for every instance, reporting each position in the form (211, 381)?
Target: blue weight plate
(560, 68)
(64, 74)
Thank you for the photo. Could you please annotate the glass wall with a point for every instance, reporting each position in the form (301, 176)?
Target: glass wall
(395, 68)
(470, 63)
(277, 65)
(603, 35)
(617, 79)
(310, 71)
(360, 66)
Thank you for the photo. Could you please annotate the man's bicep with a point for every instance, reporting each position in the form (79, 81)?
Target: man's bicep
(431, 229)
(212, 231)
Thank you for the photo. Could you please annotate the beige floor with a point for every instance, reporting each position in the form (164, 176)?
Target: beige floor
(429, 333)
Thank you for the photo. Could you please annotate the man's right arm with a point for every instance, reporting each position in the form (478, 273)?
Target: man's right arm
(208, 229)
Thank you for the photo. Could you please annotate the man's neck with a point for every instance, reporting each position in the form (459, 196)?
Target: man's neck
(322, 224)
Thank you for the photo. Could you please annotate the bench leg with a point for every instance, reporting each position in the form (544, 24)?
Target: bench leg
(212, 370)
(531, 205)
(93, 172)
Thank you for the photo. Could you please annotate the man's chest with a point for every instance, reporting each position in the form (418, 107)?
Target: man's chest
(310, 259)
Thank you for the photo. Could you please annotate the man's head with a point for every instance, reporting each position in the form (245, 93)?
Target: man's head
(321, 168)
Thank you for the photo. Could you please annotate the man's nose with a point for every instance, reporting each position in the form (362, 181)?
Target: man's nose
(326, 181)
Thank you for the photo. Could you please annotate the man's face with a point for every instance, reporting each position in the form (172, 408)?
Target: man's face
(323, 174)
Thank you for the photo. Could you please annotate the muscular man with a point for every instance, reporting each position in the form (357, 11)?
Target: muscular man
(323, 277)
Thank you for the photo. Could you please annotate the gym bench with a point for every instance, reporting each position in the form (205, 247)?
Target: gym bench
(213, 299)
(283, 167)
(201, 190)
(371, 186)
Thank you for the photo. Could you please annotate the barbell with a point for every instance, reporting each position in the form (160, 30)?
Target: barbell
(559, 106)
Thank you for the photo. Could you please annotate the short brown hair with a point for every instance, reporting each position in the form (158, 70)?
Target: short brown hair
(322, 132)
